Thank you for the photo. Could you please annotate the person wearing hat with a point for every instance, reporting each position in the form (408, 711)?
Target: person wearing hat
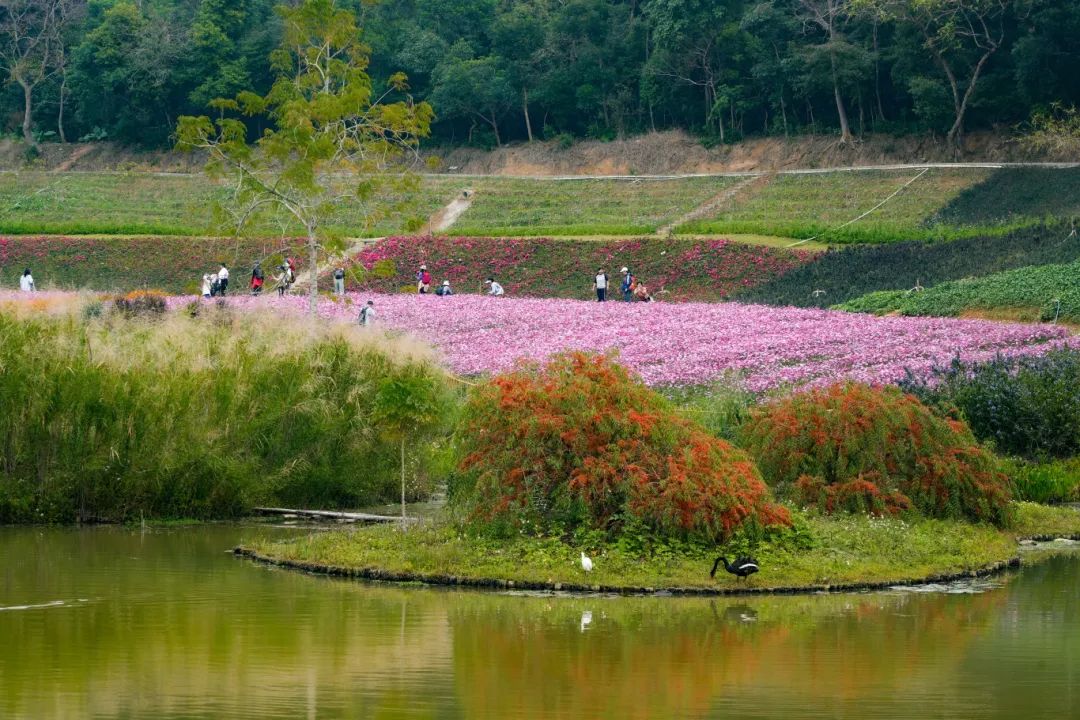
(423, 280)
(494, 288)
(627, 287)
(444, 289)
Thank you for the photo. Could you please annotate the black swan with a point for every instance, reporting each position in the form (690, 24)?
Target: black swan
(742, 567)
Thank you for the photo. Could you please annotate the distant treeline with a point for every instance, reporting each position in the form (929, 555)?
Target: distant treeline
(499, 70)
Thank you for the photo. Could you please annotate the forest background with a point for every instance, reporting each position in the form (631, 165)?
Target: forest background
(499, 71)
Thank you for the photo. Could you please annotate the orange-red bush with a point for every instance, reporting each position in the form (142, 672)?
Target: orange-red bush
(580, 443)
(864, 449)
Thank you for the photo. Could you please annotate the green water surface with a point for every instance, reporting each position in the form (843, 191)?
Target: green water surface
(164, 623)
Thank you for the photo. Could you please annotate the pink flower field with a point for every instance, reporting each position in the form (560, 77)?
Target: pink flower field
(687, 343)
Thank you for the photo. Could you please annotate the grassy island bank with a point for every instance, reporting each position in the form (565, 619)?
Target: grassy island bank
(840, 552)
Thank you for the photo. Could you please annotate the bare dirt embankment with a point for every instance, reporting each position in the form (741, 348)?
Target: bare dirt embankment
(661, 153)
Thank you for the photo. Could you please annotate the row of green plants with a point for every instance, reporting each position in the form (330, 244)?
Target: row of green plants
(676, 269)
(1040, 293)
(839, 276)
(113, 411)
(1014, 194)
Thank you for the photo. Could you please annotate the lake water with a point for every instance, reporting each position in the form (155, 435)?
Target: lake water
(123, 623)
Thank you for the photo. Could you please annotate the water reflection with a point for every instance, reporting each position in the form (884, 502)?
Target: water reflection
(174, 627)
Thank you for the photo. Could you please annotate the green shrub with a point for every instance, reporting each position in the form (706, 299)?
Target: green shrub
(1053, 482)
(858, 448)
(1026, 406)
(580, 445)
(113, 418)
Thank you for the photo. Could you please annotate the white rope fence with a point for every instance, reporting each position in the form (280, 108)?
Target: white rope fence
(881, 204)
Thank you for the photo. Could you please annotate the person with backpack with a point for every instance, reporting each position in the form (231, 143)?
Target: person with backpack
(367, 314)
(257, 279)
(423, 280)
(444, 289)
(600, 285)
(628, 282)
(339, 281)
(223, 280)
(26, 282)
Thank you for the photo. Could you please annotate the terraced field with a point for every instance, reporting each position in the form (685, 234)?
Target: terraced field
(811, 205)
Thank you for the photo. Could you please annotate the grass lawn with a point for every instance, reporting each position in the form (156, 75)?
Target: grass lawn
(805, 205)
(823, 551)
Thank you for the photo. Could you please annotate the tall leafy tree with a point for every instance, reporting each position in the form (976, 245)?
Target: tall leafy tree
(333, 136)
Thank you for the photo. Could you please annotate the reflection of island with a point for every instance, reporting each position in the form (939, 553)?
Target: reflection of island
(688, 657)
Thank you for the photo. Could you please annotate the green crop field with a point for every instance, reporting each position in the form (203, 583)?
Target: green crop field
(1015, 194)
(817, 204)
(1045, 292)
(158, 204)
(600, 206)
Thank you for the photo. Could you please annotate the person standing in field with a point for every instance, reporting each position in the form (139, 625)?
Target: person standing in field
(26, 282)
(600, 285)
(628, 281)
(207, 285)
(423, 280)
(223, 279)
(494, 288)
(257, 279)
(367, 314)
(339, 281)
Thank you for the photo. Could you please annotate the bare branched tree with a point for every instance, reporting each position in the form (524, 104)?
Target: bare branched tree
(32, 46)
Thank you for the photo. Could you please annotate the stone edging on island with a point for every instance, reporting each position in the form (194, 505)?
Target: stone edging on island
(381, 575)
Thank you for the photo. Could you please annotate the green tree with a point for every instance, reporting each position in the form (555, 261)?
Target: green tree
(466, 86)
(410, 404)
(329, 126)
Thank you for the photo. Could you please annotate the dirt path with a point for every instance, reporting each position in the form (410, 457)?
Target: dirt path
(718, 201)
(439, 222)
(69, 163)
(445, 218)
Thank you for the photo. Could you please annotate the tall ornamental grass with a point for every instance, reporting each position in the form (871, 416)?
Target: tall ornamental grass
(106, 417)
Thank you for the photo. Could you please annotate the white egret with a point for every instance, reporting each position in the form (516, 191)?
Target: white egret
(586, 563)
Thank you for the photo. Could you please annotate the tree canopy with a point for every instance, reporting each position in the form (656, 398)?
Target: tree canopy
(505, 70)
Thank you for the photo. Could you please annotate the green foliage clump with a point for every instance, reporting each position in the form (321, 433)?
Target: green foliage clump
(1057, 481)
(859, 448)
(842, 275)
(1044, 292)
(579, 444)
(111, 418)
(1026, 406)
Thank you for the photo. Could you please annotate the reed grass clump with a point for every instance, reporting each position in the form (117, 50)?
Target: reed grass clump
(109, 417)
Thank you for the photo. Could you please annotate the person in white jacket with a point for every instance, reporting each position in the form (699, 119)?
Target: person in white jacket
(223, 279)
(26, 282)
(494, 288)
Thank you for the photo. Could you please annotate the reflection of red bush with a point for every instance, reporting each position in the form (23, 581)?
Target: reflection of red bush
(863, 449)
(580, 442)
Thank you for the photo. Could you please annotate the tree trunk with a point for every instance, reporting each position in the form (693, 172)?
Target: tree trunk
(956, 132)
(313, 259)
(60, 114)
(845, 128)
(495, 127)
(403, 477)
(525, 106)
(28, 105)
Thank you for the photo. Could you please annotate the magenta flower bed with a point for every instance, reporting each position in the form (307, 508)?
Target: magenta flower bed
(683, 344)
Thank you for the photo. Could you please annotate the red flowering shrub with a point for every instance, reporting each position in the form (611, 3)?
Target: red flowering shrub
(581, 443)
(864, 449)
